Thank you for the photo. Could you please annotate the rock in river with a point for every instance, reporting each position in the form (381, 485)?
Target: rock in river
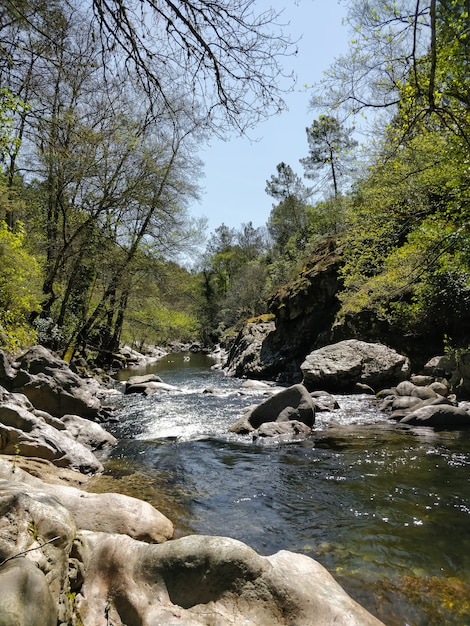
(341, 366)
(292, 403)
(442, 416)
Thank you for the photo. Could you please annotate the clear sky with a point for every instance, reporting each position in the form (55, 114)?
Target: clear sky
(236, 171)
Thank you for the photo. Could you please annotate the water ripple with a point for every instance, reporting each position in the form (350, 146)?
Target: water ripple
(385, 509)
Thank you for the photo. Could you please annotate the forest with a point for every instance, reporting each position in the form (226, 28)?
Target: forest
(103, 106)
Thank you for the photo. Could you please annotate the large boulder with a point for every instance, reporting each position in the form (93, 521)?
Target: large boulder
(35, 530)
(200, 580)
(115, 513)
(293, 403)
(23, 432)
(106, 512)
(59, 565)
(440, 416)
(87, 433)
(340, 367)
(52, 386)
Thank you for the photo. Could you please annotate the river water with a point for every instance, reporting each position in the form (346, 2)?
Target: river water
(386, 510)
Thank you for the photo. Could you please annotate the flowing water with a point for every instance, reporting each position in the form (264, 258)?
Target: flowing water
(386, 510)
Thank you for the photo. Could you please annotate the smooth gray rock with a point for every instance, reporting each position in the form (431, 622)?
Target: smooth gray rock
(440, 388)
(255, 384)
(149, 388)
(292, 403)
(51, 385)
(198, 580)
(87, 433)
(340, 366)
(438, 416)
(421, 380)
(35, 526)
(144, 378)
(285, 431)
(96, 577)
(25, 599)
(423, 392)
(405, 402)
(101, 512)
(23, 432)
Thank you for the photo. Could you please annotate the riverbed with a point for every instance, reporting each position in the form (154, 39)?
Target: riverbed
(385, 509)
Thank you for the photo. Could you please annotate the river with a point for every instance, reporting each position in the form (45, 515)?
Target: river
(385, 510)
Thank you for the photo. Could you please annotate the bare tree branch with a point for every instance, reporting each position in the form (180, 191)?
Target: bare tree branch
(223, 53)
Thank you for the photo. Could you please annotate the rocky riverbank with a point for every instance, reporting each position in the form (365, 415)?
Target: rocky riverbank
(72, 557)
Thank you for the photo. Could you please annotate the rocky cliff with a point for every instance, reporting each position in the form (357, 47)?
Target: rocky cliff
(304, 312)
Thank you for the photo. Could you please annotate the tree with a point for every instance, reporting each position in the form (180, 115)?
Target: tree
(9, 106)
(19, 287)
(330, 147)
(154, 214)
(286, 184)
(406, 240)
(112, 177)
(10, 142)
(163, 305)
(234, 277)
(288, 218)
(252, 241)
(120, 95)
(408, 54)
(223, 259)
(224, 52)
(222, 59)
(246, 296)
(221, 240)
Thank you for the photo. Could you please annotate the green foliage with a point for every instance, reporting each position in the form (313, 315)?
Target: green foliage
(9, 106)
(107, 211)
(233, 279)
(407, 242)
(282, 268)
(327, 218)
(19, 281)
(158, 326)
(246, 295)
(289, 217)
(330, 145)
(404, 228)
(163, 306)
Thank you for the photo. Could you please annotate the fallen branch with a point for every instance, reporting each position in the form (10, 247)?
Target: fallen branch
(28, 550)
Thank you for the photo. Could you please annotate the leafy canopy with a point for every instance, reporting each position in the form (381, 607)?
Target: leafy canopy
(19, 288)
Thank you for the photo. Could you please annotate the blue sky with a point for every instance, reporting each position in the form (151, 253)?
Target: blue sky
(236, 171)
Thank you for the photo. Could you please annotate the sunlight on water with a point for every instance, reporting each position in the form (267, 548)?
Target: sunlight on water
(385, 509)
